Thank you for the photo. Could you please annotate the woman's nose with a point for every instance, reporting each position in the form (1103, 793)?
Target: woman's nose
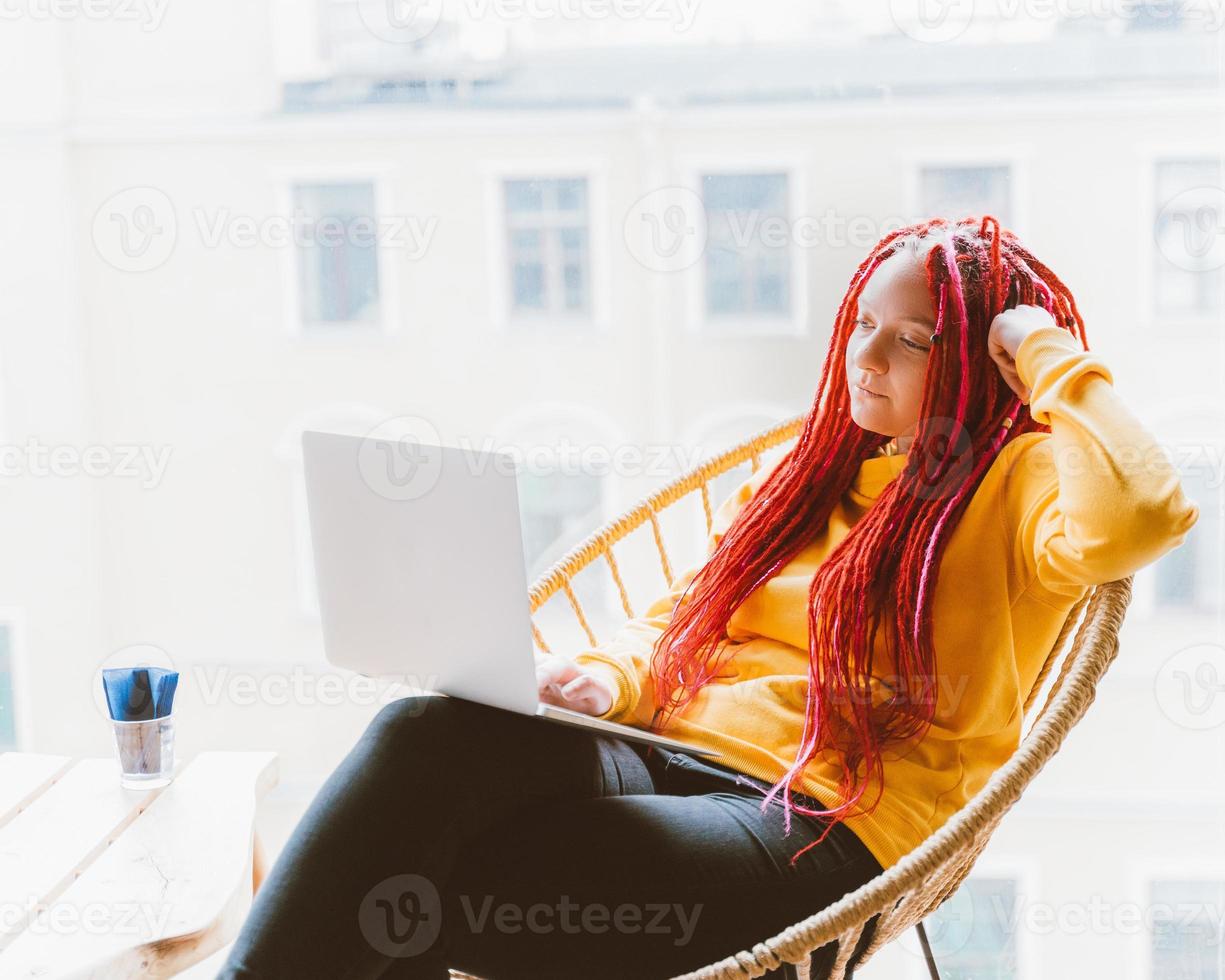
(867, 357)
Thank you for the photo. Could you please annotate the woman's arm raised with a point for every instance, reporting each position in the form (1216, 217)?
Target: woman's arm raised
(1098, 498)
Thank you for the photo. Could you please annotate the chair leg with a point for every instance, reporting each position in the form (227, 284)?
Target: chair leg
(927, 952)
(259, 863)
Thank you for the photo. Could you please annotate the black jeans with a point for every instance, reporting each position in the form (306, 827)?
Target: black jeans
(502, 845)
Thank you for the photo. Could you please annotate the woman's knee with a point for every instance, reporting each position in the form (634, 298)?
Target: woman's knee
(411, 716)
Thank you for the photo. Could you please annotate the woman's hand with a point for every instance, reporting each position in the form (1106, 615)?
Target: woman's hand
(569, 685)
(1005, 336)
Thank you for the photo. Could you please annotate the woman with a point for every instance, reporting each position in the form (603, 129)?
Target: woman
(858, 643)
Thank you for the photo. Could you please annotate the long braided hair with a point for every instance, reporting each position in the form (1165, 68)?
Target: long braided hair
(884, 571)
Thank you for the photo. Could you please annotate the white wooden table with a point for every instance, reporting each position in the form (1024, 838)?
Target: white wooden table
(107, 883)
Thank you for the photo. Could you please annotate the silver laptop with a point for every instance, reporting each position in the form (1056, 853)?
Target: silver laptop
(421, 573)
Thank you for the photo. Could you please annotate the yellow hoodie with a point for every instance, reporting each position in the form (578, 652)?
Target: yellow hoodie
(1092, 501)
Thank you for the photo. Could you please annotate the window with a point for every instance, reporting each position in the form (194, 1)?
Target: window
(567, 485)
(1190, 576)
(748, 245)
(1189, 253)
(1186, 937)
(354, 419)
(337, 255)
(304, 552)
(956, 191)
(1156, 15)
(971, 934)
(548, 246)
(717, 435)
(8, 691)
(558, 510)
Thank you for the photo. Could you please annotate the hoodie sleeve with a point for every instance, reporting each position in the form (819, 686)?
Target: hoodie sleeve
(1097, 498)
(625, 658)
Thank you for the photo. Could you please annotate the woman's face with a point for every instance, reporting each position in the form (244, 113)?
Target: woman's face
(888, 348)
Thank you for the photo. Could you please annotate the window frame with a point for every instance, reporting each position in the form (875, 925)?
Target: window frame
(1184, 420)
(711, 423)
(23, 705)
(519, 427)
(1016, 156)
(597, 323)
(288, 452)
(795, 165)
(1026, 872)
(379, 177)
(1147, 156)
(1142, 874)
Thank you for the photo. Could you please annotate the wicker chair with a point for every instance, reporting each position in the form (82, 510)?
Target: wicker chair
(906, 893)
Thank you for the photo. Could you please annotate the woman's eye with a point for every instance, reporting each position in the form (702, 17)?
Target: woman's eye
(909, 343)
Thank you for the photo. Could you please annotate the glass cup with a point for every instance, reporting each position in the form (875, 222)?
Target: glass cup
(146, 752)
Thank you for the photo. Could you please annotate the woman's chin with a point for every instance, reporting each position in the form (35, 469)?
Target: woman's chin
(866, 418)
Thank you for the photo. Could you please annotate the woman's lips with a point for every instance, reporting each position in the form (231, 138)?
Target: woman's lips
(870, 394)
